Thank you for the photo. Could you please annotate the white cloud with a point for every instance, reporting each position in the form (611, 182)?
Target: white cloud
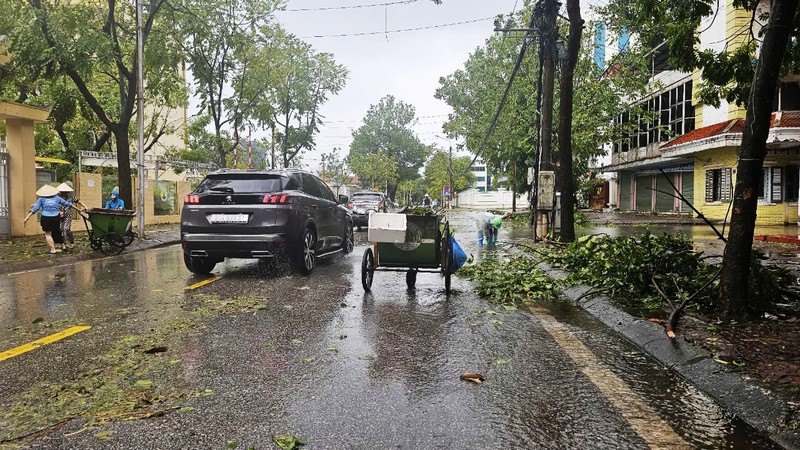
(407, 65)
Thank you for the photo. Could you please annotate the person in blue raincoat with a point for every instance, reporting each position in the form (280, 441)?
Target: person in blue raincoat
(115, 202)
(50, 203)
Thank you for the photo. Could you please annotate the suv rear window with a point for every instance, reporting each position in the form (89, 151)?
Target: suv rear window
(241, 184)
(370, 197)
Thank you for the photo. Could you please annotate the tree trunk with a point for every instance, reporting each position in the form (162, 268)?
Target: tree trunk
(734, 291)
(565, 174)
(514, 187)
(124, 165)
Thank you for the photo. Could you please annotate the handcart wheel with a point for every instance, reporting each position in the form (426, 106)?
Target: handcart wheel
(367, 269)
(448, 258)
(112, 244)
(411, 278)
(128, 237)
(94, 242)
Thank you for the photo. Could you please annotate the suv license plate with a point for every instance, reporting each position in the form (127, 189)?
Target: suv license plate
(227, 218)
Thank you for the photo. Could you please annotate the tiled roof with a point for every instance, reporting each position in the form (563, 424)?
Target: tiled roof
(779, 119)
(729, 126)
(785, 119)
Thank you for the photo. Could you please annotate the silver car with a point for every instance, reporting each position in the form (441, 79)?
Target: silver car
(362, 204)
(266, 214)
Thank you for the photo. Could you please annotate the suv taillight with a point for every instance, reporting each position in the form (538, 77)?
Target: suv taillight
(276, 199)
(191, 199)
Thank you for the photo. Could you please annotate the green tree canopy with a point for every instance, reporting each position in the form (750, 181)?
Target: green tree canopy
(437, 174)
(387, 131)
(93, 45)
(375, 170)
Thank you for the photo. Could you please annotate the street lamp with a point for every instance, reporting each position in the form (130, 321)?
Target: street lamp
(449, 171)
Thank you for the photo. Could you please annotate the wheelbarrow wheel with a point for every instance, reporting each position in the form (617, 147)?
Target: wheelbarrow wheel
(112, 244)
(129, 237)
(411, 278)
(94, 242)
(367, 269)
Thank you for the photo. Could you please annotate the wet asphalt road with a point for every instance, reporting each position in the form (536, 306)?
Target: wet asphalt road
(260, 352)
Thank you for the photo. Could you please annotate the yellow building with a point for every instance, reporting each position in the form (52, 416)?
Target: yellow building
(696, 145)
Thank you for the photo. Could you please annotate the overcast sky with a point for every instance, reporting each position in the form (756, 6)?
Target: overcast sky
(404, 64)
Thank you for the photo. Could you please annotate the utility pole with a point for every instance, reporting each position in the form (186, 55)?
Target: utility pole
(546, 179)
(272, 164)
(450, 172)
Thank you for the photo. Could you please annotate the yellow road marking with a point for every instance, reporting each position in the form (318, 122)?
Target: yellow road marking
(202, 283)
(642, 418)
(43, 341)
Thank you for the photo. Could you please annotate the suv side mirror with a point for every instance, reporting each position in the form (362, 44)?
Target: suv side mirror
(343, 199)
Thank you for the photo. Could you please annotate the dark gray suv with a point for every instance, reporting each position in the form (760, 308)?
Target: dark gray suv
(267, 214)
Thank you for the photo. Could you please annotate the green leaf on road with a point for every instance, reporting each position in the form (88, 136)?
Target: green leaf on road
(501, 361)
(38, 319)
(297, 341)
(104, 435)
(310, 359)
(144, 383)
(186, 409)
(288, 442)
(367, 358)
(269, 346)
(332, 349)
(497, 322)
(207, 393)
(232, 444)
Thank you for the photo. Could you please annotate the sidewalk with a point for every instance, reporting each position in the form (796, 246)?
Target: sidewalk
(634, 218)
(751, 369)
(31, 252)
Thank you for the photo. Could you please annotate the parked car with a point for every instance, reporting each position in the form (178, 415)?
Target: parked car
(266, 214)
(362, 204)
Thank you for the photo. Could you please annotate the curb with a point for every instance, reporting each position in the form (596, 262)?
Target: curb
(136, 246)
(734, 392)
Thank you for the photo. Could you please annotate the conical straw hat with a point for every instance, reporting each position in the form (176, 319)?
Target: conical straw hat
(64, 187)
(47, 191)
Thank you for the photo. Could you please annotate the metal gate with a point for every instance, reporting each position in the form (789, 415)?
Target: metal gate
(5, 220)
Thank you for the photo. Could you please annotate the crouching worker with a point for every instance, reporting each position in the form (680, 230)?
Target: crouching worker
(488, 227)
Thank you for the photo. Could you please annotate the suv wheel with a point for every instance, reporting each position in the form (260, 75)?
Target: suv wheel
(200, 266)
(349, 239)
(305, 258)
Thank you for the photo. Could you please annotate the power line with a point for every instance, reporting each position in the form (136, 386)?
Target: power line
(369, 33)
(329, 8)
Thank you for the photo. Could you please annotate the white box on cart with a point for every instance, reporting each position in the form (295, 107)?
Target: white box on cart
(387, 227)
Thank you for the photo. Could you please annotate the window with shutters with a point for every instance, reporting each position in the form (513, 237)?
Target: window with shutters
(778, 184)
(791, 183)
(718, 185)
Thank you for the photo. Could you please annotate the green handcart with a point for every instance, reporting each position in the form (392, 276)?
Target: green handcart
(111, 229)
(425, 247)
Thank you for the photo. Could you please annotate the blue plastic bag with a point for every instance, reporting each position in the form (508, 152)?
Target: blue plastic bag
(458, 257)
